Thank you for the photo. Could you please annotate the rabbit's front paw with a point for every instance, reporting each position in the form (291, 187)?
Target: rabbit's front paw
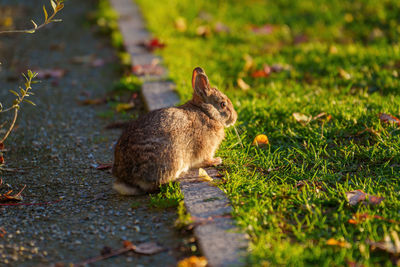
(213, 162)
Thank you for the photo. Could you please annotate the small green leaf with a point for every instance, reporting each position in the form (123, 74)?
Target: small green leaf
(34, 24)
(45, 13)
(53, 5)
(56, 20)
(30, 74)
(15, 93)
(30, 102)
(30, 31)
(22, 91)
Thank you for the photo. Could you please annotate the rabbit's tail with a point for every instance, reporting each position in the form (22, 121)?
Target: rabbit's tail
(127, 190)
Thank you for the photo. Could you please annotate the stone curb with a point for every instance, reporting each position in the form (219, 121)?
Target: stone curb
(218, 237)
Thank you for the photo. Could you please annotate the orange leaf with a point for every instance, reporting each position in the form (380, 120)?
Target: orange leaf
(389, 118)
(259, 74)
(261, 139)
(193, 261)
(1, 159)
(334, 242)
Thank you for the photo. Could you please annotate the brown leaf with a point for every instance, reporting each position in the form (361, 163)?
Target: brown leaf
(263, 29)
(260, 140)
(94, 101)
(334, 242)
(242, 84)
(50, 73)
(8, 197)
(299, 117)
(148, 69)
(389, 118)
(220, 27)
(148, 248)
(193, 261)
(356, 196)
(316, 184)
(390, 244)
(104, 166)
(203, 31)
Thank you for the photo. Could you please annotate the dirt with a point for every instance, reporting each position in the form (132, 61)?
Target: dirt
(56, 146)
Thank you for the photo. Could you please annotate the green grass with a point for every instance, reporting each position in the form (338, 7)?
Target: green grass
(289, 225)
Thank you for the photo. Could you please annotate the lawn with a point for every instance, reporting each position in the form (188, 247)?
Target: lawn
(336, 64)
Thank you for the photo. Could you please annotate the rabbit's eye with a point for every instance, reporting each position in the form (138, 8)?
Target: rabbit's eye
(222, 104)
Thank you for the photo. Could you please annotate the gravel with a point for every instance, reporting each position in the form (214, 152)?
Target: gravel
(54, 147)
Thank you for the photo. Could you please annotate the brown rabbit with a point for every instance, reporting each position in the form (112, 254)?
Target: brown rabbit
(161, 145)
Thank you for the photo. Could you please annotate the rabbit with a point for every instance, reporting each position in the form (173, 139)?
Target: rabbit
(165, 143)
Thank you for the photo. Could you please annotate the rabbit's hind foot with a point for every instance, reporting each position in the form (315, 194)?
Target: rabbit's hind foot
(127, 190)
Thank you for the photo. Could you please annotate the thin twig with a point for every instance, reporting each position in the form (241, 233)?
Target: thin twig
(11, 126)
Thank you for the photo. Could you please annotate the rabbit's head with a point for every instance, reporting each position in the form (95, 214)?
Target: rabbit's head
(212, 101)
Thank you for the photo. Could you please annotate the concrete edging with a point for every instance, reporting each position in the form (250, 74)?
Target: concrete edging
(219, 239)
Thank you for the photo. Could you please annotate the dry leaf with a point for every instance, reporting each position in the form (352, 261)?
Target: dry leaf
(180, 24)
(8, 197)
(153, 44)
(50, 73)
(95, 101)
(361, 217)
(203, 31)
(356, 196)
(148, 69)
(203, 175)
(264, 29)
(148, 248)
(2, 232)
(389, 118)
(104, 166)
(193, 261)
(124, 106)
(249, 63)
(304, 119)
(390, 244)
(344, 74)
(220, 27)
(260, 140)
(242, 84)
(334, 242)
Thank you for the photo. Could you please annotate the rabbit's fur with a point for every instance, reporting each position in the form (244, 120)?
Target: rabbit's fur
(161, 145)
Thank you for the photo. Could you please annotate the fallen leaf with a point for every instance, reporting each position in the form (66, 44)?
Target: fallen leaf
(203, 175)
(220, 27)
(356, 196)
(148, 248)
(260, 140)
(390, 244)
(104, 166)
(362, 217)
(50, 73)
(1, 159)
(2, 232)
(180, 24)
(387, 118)
(203, 31)
(242, 84)
(8, 197)
(98, 62)
(193, 261)
(334, 242)
(263, 30)
(94, 101)
(316, 184)
(279, 67)
(344, 74)
(249, 63)
(148, 69)
(262, 73)
(304, 119)
(124, 106)
(153, 44)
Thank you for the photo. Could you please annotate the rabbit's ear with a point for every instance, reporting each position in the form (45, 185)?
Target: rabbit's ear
(200, 83)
